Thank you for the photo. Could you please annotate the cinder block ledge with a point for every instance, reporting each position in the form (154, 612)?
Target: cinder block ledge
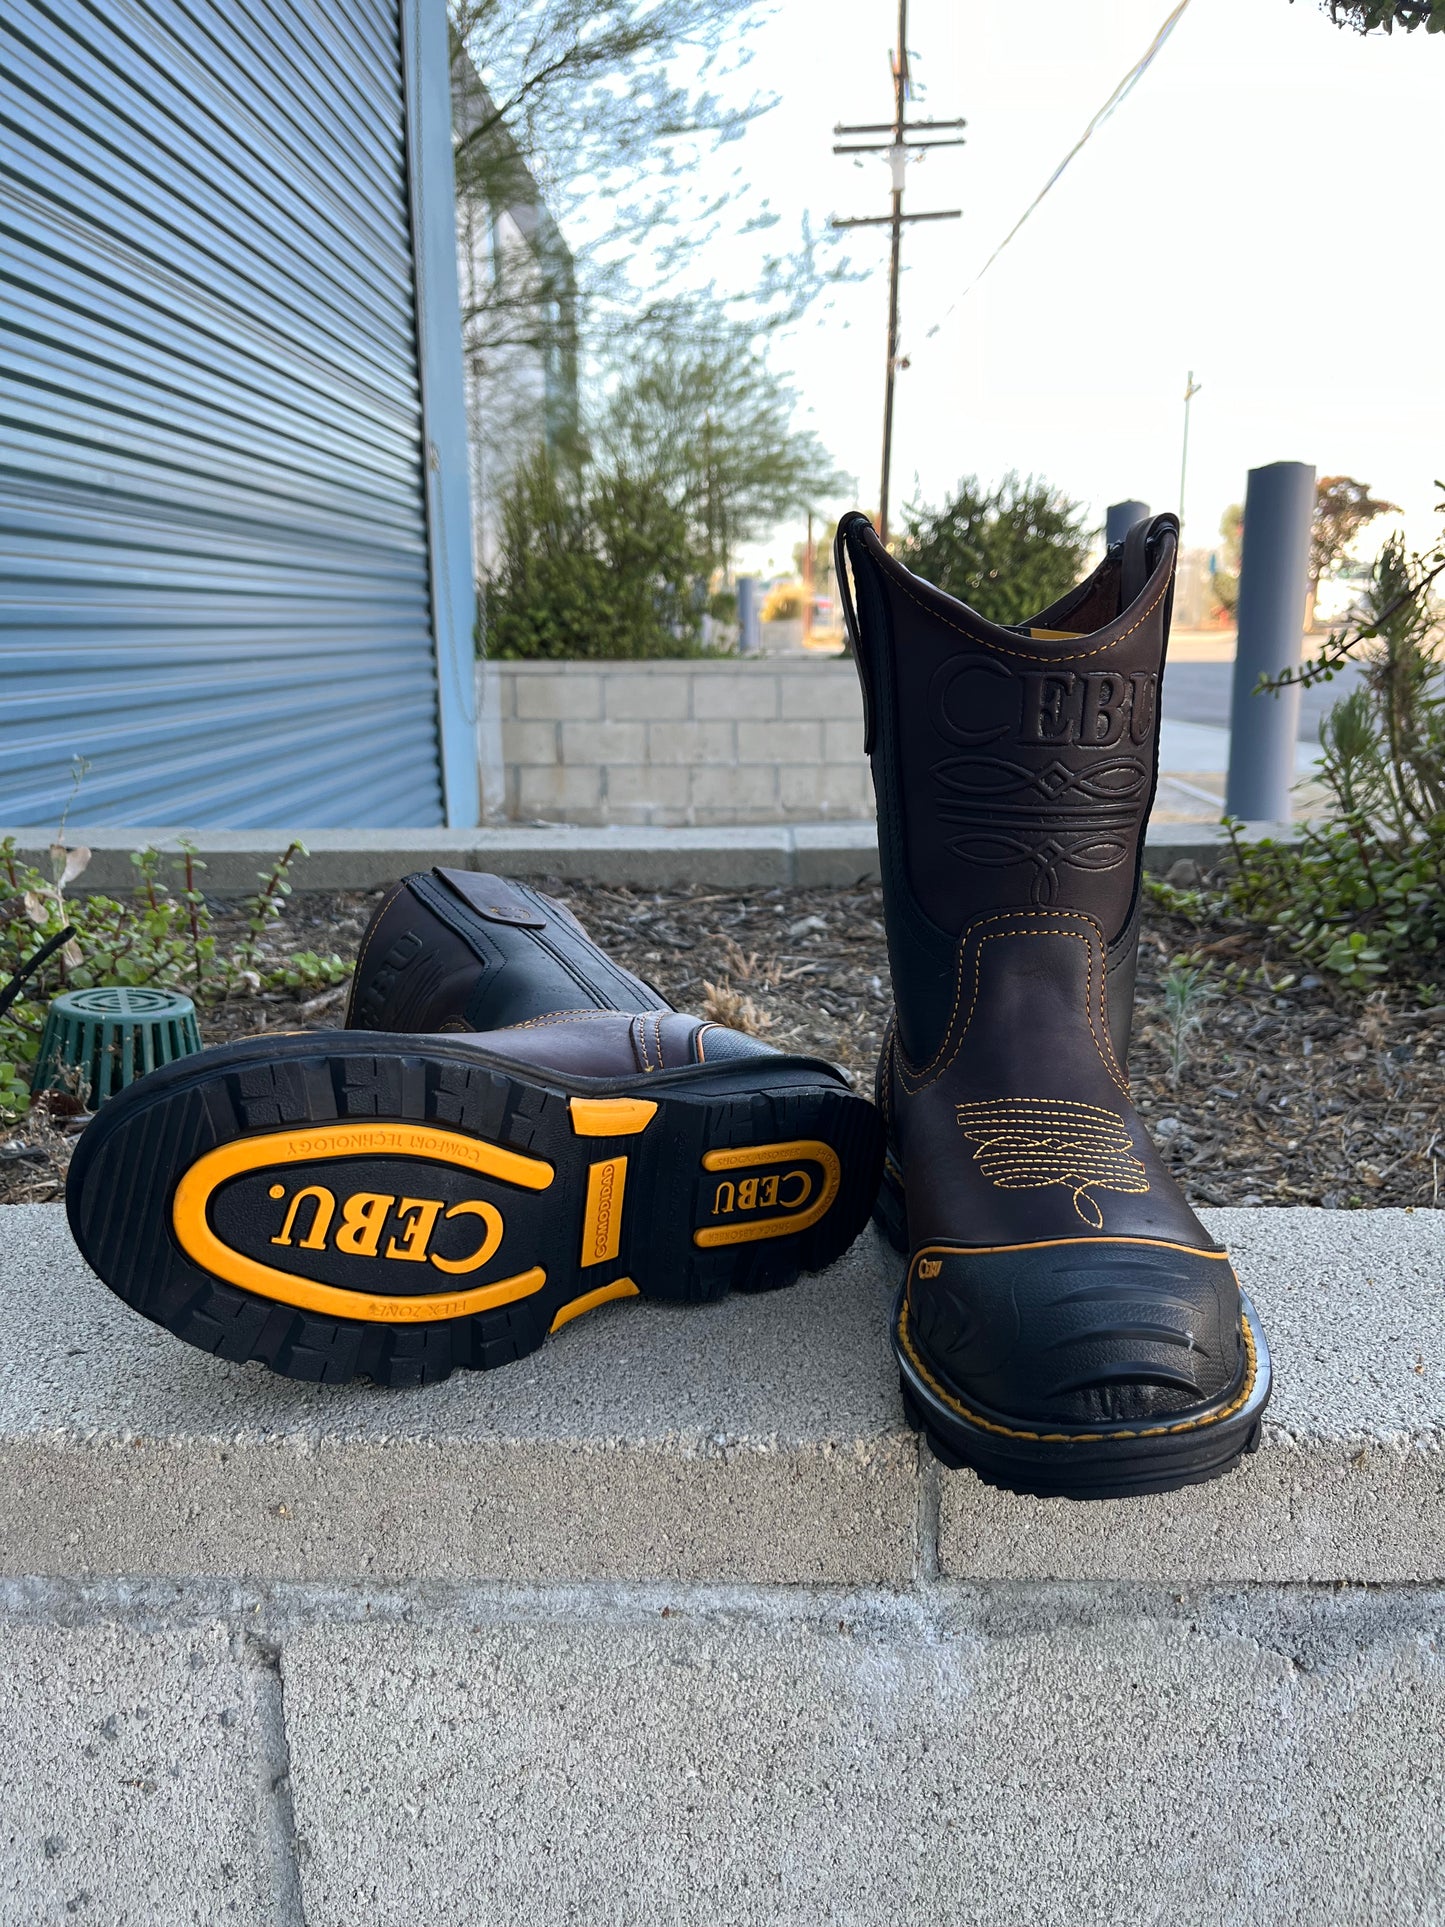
(730, 858)
(758, 1441)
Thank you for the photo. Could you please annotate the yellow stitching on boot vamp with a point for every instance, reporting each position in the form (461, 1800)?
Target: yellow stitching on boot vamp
(1032, 1143)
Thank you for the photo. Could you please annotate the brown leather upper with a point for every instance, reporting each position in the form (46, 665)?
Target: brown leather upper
(1012, 770)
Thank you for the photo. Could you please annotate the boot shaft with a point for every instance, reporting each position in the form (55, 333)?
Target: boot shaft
(1014, 767)
(461, 950)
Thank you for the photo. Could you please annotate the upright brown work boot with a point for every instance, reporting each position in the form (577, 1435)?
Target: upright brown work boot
(521, 1131)
(1066, 1324)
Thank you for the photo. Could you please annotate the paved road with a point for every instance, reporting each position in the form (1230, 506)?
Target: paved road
(1198, 692)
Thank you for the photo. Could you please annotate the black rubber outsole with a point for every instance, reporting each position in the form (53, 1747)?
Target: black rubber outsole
(349, 1166)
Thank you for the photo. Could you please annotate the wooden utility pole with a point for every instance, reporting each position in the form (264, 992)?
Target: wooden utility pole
(898, 147)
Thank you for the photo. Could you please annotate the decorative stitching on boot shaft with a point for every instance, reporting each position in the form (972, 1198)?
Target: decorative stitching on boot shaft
(914, 1081)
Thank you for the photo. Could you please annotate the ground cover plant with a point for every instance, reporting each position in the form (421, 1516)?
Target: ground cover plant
(163, 933)
(1360, 897)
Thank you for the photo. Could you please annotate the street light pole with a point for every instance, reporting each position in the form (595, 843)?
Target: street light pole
(1191, 389)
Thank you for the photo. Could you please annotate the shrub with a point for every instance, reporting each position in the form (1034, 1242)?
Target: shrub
(784, 603)
(1008, 551)
(1362, 895)
(596, 566)
(160, 935)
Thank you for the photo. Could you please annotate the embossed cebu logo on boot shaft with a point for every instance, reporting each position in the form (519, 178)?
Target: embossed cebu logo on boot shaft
(977, 701)
(1077, 802)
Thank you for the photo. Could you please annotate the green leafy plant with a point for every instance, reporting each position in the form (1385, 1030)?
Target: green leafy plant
(592, 567)
(1361, 895)
(163, 933)
(1007, 551)
(1187, 990)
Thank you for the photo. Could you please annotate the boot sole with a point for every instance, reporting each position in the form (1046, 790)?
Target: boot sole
(340, 1208)
(1116, 1462)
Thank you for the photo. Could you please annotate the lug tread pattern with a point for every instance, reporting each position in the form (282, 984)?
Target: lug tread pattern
(128, 1163)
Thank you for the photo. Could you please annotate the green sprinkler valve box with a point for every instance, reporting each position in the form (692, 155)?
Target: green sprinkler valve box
(95, 1042)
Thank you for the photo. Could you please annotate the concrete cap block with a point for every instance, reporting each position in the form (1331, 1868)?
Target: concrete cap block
(760, 1439)
(754, 1439)
(757, 857)
(835, 854)
(1350, 1481)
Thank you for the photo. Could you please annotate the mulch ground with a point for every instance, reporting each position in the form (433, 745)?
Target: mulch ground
(1290, 1091)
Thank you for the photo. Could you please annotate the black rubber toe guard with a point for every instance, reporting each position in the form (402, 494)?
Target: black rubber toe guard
(1091, 1368)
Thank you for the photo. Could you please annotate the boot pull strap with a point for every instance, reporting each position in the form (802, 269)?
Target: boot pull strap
(850, 618)
(1141, 554)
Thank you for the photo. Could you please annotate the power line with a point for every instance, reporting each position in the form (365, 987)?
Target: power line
(1120, 93)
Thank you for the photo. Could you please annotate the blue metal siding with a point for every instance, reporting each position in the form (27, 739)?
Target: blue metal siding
(214, 573)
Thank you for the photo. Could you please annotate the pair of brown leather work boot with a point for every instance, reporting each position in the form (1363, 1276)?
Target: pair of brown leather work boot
(512, 1130)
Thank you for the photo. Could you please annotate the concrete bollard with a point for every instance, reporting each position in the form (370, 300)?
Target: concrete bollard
(1273, 581)
(750, 635)
(1120, 517)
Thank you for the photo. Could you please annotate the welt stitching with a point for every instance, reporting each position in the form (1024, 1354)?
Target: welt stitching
(1081, 1438)
(559, 1017)
(1031, 655)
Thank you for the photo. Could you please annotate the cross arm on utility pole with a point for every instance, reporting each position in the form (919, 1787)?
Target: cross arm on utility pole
(887, 220)
(907, 127)
(911, 147)
(898, 147)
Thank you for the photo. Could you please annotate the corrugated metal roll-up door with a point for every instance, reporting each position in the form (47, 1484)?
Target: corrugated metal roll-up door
(213, 543)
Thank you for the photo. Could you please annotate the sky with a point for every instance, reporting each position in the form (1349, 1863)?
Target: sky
(1262, 209)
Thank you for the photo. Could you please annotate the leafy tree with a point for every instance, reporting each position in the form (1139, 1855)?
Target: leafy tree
(709, 425)
(594, 563)
(609, 108)
(1007, 551)
(1343, 507)
(1376, 16)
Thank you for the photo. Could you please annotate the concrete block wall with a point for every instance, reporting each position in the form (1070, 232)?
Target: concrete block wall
(675, 1624)
(708, 742)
